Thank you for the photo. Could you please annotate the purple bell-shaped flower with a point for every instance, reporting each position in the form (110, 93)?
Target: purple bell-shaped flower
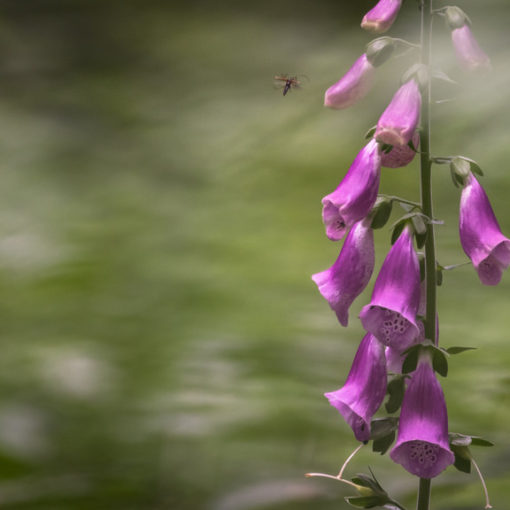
(398, 122)
(346, 279)
(480, 235)
(391, 313)
(364, 390)
(467, 49)
(355, 195)
(422, 443)
(381, 17)
(353, 86)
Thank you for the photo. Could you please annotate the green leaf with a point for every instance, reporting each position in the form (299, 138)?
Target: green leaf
(370, 482)
(382, 444)
(380, 427)
(395, 390)
(411, 360)
(410, 144)
(458, 350)
(371, 132)
(439, 277)
(381, 212)
(462, 464)
(440, 363)
(480, 441)
(473, 165)
(365, 501)
(397, 230)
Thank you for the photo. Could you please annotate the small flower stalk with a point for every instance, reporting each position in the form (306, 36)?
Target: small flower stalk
(346, 279)
(480, 234)
(363, 392)
(422, 444)
(391, 314)
(397, 124)
(381, 17)
(355, 195)
(352, 87)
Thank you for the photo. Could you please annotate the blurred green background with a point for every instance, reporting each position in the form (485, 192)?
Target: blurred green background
(163, 345)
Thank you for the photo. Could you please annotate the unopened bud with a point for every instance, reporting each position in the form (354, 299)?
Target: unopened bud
(456, 17)
(380, 50)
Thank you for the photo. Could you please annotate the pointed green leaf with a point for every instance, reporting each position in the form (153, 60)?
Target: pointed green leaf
(397, 230)
(380, 427)
(462, 464)
(365, 501)
(382, 444)
(370, 133)
(458, 350)
(381, 212)
(480, 441)
(410, 362)
(396, 388)
(440, 363)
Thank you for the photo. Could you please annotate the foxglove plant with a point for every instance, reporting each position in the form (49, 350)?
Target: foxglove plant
(400, 353)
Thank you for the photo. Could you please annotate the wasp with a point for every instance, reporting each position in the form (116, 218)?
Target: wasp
(287, 82)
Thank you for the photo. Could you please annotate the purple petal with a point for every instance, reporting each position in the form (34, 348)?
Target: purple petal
(480, 235)
(400, 155)
(353, 86)
(398, 122)
(355, 195)
(346, 279)
(364, 390)
(422, 444)
(391, 313)
(382, 16)
(468, 51)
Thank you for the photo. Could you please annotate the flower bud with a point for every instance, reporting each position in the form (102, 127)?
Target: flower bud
(381, 17)
(353, 86)
(398, 122)
(455, 17)
(468, 52)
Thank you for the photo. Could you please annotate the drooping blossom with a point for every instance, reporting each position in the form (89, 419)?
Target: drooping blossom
(467, 49)
(480, 235)
(400, 155)
(422, 442)
(364, 390)
(346, 279)
(381, 17)
(353, 86)
(355, 195)
(391, 313)
(398, 122)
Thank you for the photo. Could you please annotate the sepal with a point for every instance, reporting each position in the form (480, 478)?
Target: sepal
(381, 212)
(456, 17)
(396, 388)
(380, 50)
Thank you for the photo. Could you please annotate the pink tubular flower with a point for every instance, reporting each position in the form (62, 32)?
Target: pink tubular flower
(346, 279)
(353, 86)
(363, 392)
(422, 444)
(400, 155)
(398, 122)
(355, 195)
(480, 235)
(391, 314)
(469, 53)
(382, 16)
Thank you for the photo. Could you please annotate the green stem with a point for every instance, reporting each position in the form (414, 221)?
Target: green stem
(426, 201)
(423, 494)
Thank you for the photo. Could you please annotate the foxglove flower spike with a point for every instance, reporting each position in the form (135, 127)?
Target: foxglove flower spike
(346, 279)
(480, 235)
(355, 195)
(364, 390)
